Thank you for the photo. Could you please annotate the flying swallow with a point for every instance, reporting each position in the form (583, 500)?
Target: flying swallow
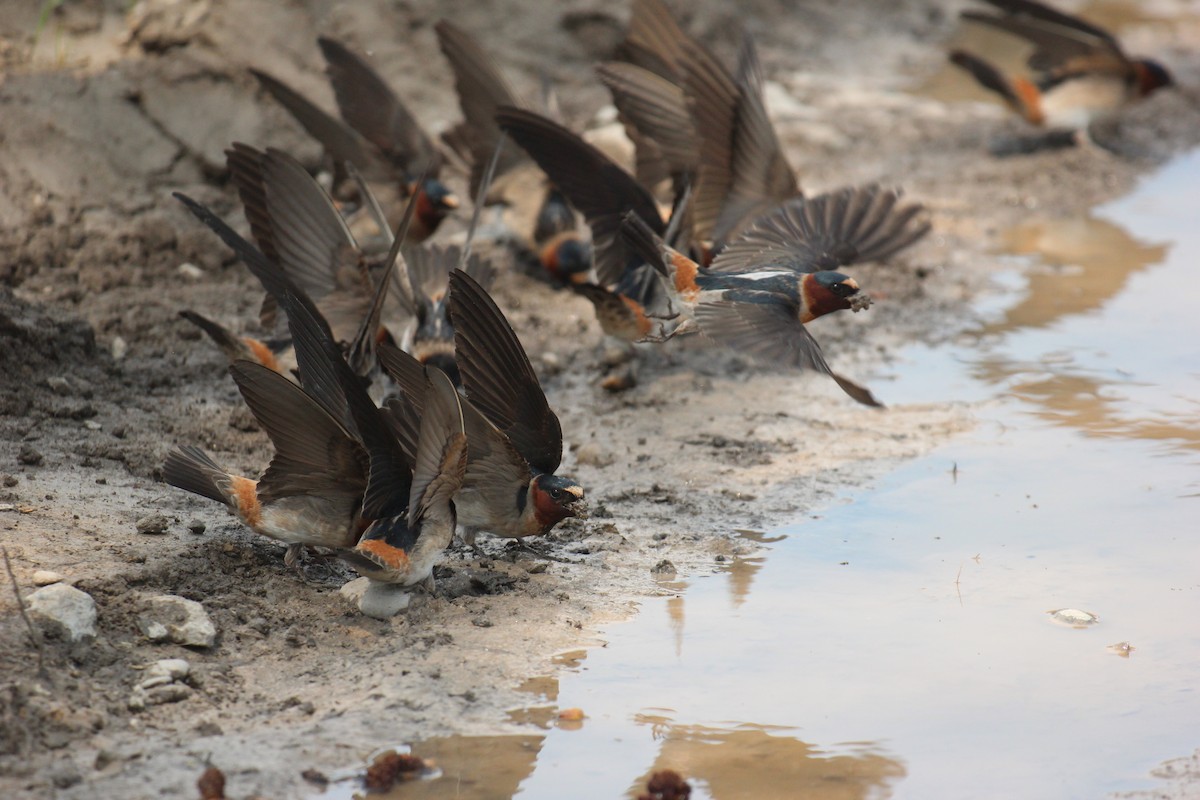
(379, 134)
(782, 273)
(514, 439)
(1080, 71)
(538, 215)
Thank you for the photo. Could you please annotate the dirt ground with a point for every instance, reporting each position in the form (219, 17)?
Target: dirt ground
(116, 107)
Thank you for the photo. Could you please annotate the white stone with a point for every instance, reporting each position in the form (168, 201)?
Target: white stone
(190, 271)
(119, 348)
(384, 600)
(66, 608)
(185, 621)
(45, 577)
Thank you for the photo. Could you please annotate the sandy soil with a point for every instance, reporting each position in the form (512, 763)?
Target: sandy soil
(110, 111)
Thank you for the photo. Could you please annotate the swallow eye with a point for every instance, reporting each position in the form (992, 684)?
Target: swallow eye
(557, 494)
(843, 289)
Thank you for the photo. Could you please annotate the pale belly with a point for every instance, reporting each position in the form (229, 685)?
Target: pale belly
(1079, 102)
(310, 521)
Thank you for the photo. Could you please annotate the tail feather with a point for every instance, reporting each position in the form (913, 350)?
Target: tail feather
(191, 469)
(229, 344)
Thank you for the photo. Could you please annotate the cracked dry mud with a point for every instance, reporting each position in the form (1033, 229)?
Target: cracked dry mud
(99, 377)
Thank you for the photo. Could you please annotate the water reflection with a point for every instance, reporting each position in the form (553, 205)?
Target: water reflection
(1096, 343)
(754, 762)
(1081, 264)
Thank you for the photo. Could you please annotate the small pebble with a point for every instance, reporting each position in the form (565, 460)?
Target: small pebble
(7, 507)
(153, 524)
(11, 481)
(92, 425)
(197, 526)
(59, 385)
(663, 567)
(45, 577)
(29, 456)
(190, 271)
(1074, 617)
(119, 348)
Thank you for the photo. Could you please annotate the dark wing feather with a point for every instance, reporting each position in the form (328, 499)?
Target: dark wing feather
(600, 189)
(769, 331)
(657, 109)
(482, 90)
(340, 141)
(314, 453)
(1058, 38)
(370, 106)
(761, 175)
(654, 40)
(849, 226)
(498, 377)
(713, 98)
(442, 433)
(292, 218)
(390, 475)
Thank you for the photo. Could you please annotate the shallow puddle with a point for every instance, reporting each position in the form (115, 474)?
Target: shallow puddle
(902, 644)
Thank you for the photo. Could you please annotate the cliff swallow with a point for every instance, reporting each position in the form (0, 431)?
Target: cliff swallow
(627, 295)
(514, 439)
(406, 505)
(379, 134)
(312, 490)
(764, 288)
(1080, 71)
(431, 340)
(538, 215)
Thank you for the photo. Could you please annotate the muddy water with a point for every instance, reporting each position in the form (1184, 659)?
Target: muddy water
(900, 644)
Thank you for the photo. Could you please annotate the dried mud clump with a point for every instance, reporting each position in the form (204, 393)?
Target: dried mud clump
(666, 784)
(212, 784)
(391, 767)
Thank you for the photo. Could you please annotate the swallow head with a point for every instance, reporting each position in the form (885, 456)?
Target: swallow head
(435, 202)
(1152, 76)
(568, 258)
(825, 292)
(556, 498)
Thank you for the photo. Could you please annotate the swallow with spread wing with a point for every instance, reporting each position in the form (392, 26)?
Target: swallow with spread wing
(536, 212)
(376, 133)
(514, 439)
(628, 296)
(1080, 71)
(780, 274)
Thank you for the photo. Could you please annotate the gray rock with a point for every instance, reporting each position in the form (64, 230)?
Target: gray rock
(66, 609)
(197, 526)
(29, 456)
(154, 524)
(178, 619)
(59, 385)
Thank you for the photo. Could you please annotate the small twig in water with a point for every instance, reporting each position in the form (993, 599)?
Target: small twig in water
(33, 631)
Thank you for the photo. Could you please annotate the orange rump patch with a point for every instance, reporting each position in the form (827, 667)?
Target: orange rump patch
(384, 553)
(1029, 100)
(245, 495)
(262, 353)
(685, 275)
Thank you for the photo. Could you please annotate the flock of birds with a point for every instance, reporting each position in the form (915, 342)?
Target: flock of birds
(464, 438)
